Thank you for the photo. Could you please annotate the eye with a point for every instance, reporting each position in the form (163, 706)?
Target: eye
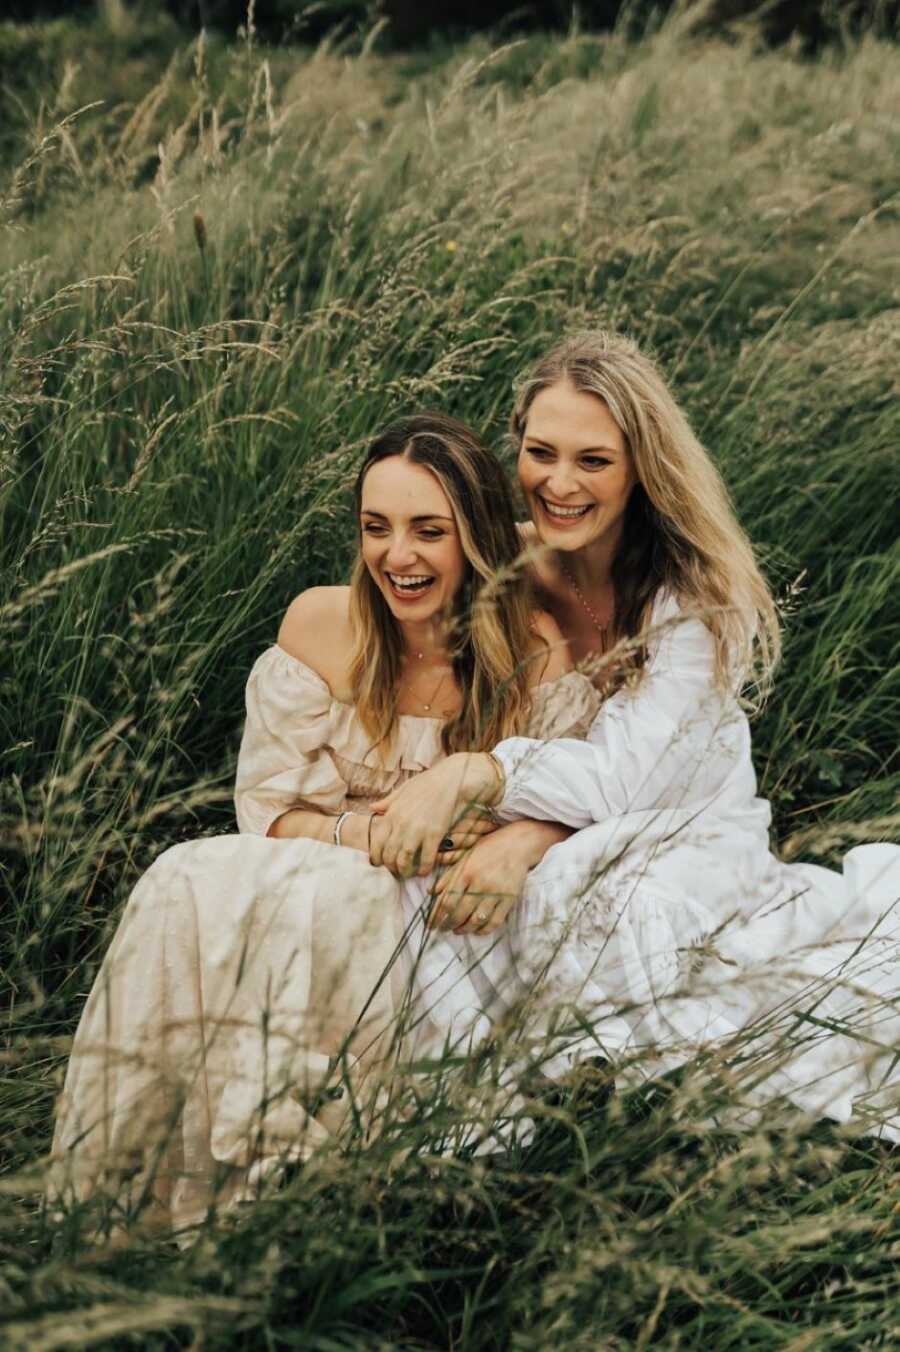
(431, 533)
(595, 461)
(373, 528)
(539, 453)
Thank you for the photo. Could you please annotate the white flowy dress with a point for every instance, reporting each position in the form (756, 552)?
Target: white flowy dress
(244, 967)
(666, 923)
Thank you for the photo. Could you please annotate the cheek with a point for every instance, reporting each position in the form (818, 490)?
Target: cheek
(626, 487)
(454, 563)
(448, 561)
(371, 550)
(615, 491)
(525, 472)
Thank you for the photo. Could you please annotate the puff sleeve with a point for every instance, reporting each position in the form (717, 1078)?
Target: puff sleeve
(283, 760)
(673, 742)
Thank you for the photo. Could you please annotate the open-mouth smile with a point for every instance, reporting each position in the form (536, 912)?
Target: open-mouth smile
(411, 587)
(564, 515)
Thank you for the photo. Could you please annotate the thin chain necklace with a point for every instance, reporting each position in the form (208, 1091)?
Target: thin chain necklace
(434, 694)
(601, 625)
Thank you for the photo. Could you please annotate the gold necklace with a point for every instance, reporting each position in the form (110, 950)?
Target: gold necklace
(601, 625)
(433, 696)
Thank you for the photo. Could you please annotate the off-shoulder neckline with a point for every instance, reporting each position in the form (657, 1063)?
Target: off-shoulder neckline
(342, 703)
(414, 718)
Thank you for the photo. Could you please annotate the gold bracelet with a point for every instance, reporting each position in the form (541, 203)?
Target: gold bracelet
(500, 784)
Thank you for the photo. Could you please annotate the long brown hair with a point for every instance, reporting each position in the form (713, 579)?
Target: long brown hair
(681, 534)
(491, 632)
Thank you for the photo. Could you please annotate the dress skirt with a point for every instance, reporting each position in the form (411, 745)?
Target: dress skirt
(246, 999)
(635, 942)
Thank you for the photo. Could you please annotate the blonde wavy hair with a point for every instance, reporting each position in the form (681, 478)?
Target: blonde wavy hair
(491, 632)
(681, 534)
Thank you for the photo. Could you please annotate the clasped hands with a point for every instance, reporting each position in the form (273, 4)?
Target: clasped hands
(442, 818)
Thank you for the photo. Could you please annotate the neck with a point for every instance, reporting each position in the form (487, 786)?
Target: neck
(592, 566)
(429, 637)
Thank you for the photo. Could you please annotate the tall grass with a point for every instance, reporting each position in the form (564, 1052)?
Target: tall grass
(209, 300)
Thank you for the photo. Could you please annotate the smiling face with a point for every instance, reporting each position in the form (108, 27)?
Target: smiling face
(575, 469)
(410, 541)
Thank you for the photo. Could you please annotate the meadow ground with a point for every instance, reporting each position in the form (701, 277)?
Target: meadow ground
(214, 287)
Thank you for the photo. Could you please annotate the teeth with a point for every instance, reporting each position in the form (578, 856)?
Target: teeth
(565, 511)
(408, 583)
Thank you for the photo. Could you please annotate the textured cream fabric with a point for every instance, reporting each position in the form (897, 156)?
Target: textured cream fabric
(249, 991)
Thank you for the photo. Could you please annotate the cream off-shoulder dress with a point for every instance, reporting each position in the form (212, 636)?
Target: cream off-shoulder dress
(243, 966)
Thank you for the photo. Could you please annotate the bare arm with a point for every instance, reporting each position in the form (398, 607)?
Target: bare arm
(287, 783)
(314, 824)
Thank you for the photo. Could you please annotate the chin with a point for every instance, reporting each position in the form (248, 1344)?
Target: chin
(420, 612)
(565, 539)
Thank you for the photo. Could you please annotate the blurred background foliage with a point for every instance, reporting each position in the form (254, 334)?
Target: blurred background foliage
(811, 22)
(44, 43)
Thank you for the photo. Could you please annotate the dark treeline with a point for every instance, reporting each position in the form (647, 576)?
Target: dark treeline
(812, 23)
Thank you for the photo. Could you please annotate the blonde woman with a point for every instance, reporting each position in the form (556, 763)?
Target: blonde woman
(246, 966)
(665, 922)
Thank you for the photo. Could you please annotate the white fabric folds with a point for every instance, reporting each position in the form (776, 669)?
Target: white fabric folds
(666, 923)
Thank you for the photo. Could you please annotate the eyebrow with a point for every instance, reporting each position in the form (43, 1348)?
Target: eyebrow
(585, 450)
(426, 516)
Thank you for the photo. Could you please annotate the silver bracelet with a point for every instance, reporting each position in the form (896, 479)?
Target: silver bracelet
(338, 823)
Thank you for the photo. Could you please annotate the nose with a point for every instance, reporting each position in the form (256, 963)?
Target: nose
(400, 555)
(560, 483)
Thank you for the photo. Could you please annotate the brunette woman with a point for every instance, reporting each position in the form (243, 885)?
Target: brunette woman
(251, 976)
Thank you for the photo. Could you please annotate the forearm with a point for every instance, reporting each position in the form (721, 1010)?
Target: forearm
(669, 742)
(535, 838)
(301, 823)
(551, 782)
(309, 824)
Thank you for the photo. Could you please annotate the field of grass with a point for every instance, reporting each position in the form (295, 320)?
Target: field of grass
(214, 287)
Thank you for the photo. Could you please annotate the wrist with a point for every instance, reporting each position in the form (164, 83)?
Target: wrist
(355, 831)
(485, 780)
(536, 838)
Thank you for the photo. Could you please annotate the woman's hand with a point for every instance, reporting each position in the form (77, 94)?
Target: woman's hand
(477, 895)
(466, 834)
(427, 809)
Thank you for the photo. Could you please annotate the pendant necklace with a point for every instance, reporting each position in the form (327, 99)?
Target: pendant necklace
(599, 624)
(433, 696)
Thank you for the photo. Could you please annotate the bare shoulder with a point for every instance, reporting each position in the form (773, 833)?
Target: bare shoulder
(550, 651)
(316, 630)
